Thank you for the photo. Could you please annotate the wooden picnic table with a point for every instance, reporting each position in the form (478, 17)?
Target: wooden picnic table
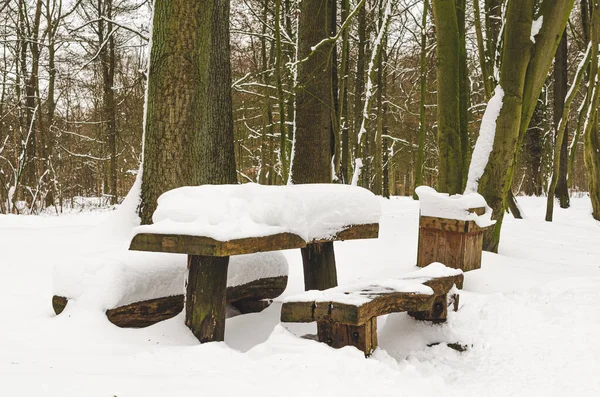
(208, 261)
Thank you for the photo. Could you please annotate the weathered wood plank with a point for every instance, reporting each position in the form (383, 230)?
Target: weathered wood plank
(461, 250)
(146, 313)
(449, 225)
(205, 297)
(380, 304)
(318, 261)
(363, 337)
(248, 298)
(206, 246)
(354, 232)
(437, 312)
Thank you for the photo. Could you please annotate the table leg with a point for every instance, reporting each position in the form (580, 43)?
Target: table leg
(206, 289)
(318, 260)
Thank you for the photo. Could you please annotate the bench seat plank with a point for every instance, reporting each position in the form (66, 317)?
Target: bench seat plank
(376, 302)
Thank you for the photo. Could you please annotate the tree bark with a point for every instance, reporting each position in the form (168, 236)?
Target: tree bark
(523, 72)
(591, 133)
(189, 125)
(418, 169)
(314, 108)
(450, 137)
(312, 157)
(560, 94)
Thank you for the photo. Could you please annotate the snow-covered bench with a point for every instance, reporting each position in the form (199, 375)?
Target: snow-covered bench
(451, 228)
(138, 289)
(210, 223)
(347, 315)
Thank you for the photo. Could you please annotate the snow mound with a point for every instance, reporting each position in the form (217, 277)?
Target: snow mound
(228, 212)
(442, 205)
(129, 276)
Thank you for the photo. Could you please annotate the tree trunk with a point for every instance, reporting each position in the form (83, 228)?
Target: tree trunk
(312, 157)
(418, 169)
(591, 133)
(189, 126)
(533, 149)
(561, 135)
(560, 94)
(359, 90)
(345, 70)
(312, 148)
(450, 137)
(523, 71)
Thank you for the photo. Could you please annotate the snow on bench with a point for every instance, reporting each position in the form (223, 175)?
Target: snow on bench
(212, 222)
(138, 289)
(347, 315)
(451, 228)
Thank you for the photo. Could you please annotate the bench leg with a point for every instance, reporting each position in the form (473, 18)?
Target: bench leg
(438, 312)
(363, 337)
(318, 260)
(205, 297)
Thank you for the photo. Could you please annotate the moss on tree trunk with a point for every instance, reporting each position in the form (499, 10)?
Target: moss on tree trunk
(189, 127)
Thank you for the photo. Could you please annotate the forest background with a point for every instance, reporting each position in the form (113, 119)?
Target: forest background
(73, 76)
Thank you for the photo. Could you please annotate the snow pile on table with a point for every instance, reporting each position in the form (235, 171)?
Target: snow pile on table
(128, 276)
(359, 293)
(442, 205)
(228, 212)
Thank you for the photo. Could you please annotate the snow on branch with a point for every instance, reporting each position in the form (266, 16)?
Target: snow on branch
(485, 141)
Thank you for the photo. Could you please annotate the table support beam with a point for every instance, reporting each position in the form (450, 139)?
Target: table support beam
(318, 260)
(206, 289)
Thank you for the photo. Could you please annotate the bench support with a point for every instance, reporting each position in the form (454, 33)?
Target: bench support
(318, 260)
(205, 297)
(438, 312)
(336, 335)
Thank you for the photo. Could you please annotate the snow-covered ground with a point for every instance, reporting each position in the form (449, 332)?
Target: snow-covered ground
(530, 317)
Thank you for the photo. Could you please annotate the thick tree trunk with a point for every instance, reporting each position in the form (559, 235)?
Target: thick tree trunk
(314, 108)
(495, 182)
(189, 126)
(450, 137)
(522, 75)
(312, 157)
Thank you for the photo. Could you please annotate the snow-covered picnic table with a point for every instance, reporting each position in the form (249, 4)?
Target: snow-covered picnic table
(212, 222)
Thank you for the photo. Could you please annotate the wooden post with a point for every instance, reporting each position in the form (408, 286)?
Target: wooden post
(318, 260)
(455, 243)
(438, 312)
(336, 335)
(206, 297)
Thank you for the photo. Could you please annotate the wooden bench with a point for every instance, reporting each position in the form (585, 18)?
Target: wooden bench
(208, 259)
(456, 243)
(347, 316)
(250, 297)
